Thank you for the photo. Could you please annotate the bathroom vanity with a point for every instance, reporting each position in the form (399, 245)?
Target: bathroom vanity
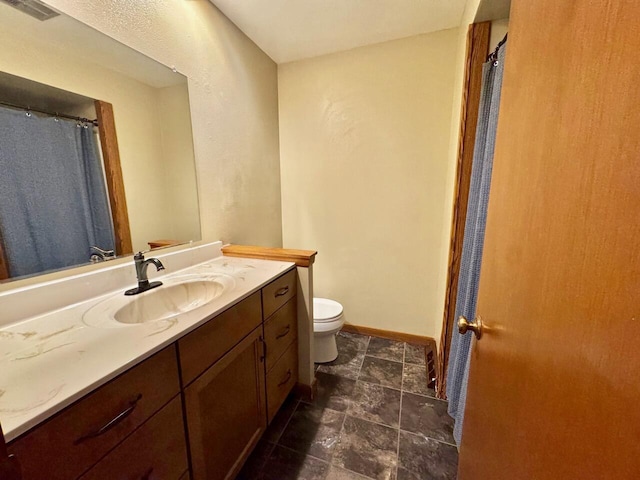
(193, 394)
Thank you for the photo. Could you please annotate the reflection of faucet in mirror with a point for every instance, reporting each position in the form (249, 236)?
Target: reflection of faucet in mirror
(141, 273)
(100, 255)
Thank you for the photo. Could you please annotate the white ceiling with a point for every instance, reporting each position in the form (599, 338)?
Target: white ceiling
(73, 39)
(289, 30)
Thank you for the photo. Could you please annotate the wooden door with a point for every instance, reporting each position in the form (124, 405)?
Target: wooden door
(555, 380)
(226, 411)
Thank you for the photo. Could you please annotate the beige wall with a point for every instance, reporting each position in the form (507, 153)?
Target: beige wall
(498, 30)
(233, 96)
(180, 182)
(364, 138)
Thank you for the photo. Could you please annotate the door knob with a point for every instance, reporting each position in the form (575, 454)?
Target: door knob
(476, 326)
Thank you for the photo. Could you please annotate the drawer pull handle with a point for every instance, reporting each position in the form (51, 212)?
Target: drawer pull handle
(147, 474)
(284, 333)
(286, 379)
(282, 291)
(264, 349)
(111, 423)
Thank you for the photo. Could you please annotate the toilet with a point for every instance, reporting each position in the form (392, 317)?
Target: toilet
(327, 322)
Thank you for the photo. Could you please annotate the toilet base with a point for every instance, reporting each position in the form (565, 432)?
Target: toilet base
(326, 349)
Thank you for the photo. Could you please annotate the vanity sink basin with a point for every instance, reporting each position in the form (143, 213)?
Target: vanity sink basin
(169, 301)
(178, 295)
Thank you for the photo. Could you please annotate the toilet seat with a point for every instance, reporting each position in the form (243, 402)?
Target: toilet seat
(326, 311)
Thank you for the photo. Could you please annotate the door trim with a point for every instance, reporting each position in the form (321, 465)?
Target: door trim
(476, 55)
(115, 181)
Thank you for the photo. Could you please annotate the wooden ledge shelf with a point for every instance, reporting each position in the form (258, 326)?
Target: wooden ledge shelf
(302, 258)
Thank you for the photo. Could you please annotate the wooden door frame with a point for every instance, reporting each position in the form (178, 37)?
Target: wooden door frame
(477, 51)
(115, 181)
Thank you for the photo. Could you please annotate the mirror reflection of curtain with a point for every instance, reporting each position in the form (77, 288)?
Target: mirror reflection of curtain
(53, 198)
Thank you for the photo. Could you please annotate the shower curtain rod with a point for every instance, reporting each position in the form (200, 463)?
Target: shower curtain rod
(51, 114)
(494, 55)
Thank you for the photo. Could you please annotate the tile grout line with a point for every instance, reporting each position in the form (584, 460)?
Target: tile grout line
(305, 454)
(380, 385)
(375, 423)
(422, 435)
(382, 358)
(340, 432)
(427, 396)
(404, 354)
(344, 419)
(277, 441)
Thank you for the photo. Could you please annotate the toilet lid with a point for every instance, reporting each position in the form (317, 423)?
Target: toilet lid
(325, 310)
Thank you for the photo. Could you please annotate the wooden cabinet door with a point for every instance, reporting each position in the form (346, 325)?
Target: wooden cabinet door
(554, 385)
(226, 412)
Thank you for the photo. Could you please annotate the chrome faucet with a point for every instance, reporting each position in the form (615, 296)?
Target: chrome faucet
(141, 273)
(100, 255)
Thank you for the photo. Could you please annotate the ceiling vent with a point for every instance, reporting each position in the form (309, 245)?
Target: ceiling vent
(34, 8)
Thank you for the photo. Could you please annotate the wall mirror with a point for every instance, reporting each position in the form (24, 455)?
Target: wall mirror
(96, 147)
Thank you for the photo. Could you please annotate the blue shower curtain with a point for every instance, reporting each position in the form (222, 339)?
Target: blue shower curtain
(53, 198)
(460, 352)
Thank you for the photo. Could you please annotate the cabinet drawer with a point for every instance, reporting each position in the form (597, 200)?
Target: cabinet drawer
(157, 450)
(280, 331)
(207, 344)
(74, 440)
(278, 292)
(281, 379)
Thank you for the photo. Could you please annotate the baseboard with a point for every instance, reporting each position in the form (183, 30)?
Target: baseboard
(307, 392)
(398, 336)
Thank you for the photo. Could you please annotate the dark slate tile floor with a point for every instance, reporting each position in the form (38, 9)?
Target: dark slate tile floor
(374, 417)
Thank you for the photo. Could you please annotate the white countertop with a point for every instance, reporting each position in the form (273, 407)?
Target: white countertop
(49, 361)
